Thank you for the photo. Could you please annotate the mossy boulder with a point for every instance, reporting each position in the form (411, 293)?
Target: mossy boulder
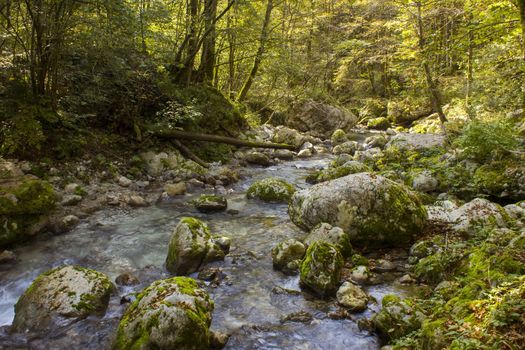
(352, 297)
(380, 123)
(24, 204)
(397, 318)
(348, 147)
(478, 213)
(287, 256)
(289, 136)
(191, 246)
(61, 296)
(335, 172)
(210, 203)
(320, 270)
(330, 234)
(338, 137)
(271, 190)
(374, 211)
(169, 314)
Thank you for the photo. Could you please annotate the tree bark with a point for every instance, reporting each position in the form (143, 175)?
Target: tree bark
(184, 135)
(207, 64)
(260, 52)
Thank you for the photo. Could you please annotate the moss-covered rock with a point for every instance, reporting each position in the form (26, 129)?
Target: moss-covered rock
(352, 297)
(348, 147)
(373, 210)
(191, 246)
(334, 235)
(24, 202)
(210, 203)
(397, 318)
(380, 123)
(61, 296)
(289, 136)
(321, 269)
(338, 137)
(169, 314)
(335, 172)
(271, 190)
(287, 256)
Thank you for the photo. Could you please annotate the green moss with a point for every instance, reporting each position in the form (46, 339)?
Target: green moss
(348, 168)
(271, 190)
(380, 123)
(320, 270)
(339, 136)
(359, 260)
(33, 197)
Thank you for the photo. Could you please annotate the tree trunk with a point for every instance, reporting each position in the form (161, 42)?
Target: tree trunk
(435, 93)
(521, 6)
(207, 64)
(260, 52)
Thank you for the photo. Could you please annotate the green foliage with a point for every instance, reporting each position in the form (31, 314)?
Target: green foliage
(488, 140)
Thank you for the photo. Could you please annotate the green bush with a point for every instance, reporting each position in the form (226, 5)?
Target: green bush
(483, 141)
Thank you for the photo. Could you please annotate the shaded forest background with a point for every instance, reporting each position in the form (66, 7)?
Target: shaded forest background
(69, 66)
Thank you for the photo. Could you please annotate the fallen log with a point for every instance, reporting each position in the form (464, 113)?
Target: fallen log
(189, 154)
(191, 136)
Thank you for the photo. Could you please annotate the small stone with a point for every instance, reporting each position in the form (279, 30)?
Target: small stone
(112, 199)
(286, 253)
(299, 316)
(224, 243)
(210, 203)
(124, 181)
(283, 154)
(305, 153)
(177, 189)
(127, 279)
(71, 188)
(406, 279)
(382, 265)
(142, 184)
(352, 297)
(218, 340)
(137, 201)
(7, 257)
(68, 222)
(71, 199)
(258, 158)
(361, 275)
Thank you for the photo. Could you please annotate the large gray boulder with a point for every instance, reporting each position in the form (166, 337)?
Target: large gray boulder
(170, 314)
(320, 119)
(191, 246)
(373, 210)
(61, 296)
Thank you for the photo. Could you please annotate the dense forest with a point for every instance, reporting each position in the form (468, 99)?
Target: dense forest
(341, 174)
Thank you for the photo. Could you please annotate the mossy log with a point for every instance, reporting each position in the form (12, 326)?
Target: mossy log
(185, 135)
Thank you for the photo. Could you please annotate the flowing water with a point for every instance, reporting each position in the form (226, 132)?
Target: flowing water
(117, 241)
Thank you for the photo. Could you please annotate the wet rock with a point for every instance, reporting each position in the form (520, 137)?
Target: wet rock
(71, 200)
(127, 279)
(305, 153)
(65, 224)
(72, 188)
(320, 119)
(191, 246)
(352, 297)
(287, 256)
(406, 279)
(373, 210)
(348, 147)
(382, 265)
(61, 296)
(7, 257)
(218, 340)
(271, 190)
(137, 202)
(169, 314)
(334, 235)
(124, 181)
(396, 318)
(224, 243)
(361, 275)
(320, 270)
(176, 189)
(299, 316)
(284, 291)
(258, 158)
(214, 275)
(338, 137)
(371, 154)
(210, 204)
(283, 154)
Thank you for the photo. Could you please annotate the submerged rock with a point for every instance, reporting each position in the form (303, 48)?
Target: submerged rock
(321, 269)
(61, 296)
(191, 246)
(352, 297)
(170, 314)
(287, 256)
(373, 210)
(208, 204)
(271, 190)
(333, 235)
